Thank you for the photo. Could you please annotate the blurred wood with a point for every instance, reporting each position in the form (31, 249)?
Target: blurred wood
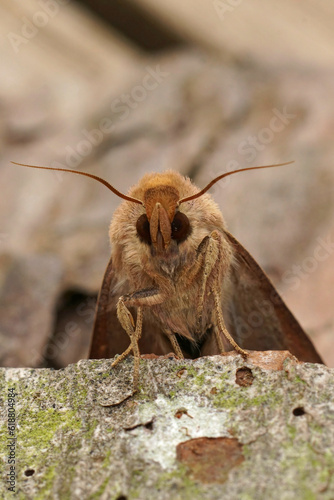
(53, 77)
(136, 24)
(73, 56)
(197, 115)
(270, 33)
(30, 287)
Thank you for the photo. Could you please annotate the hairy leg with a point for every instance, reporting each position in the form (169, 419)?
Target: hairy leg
(139, 299)
(217, 259)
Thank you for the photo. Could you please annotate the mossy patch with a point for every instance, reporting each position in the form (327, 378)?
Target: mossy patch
(231, 396)
(37, 429)
(100, 491)
(179, 482)
(47, 482)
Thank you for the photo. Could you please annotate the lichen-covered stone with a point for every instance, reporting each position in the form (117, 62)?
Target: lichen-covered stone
(274, 436)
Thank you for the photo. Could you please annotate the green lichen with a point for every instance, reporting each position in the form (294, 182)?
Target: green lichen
(100, 491)
(191, 370)
(292, 431)
(299, 380)
(91, 429)
(38, 429)
(106, 461)
(236, 397)
(190, 377)
(310, 467)
(247, 450)
(47, 482)
(315, 427)
(284, 452)
(200, 379)
(178, 481)
(143, 393)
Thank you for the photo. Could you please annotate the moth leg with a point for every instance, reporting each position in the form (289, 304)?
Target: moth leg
(149, 297)
(221, 266)
(137, 335)
(215, 264)
(135, 348)
(190, 271)
(145, 297)
(122, 356)
(175, 344)
(210, 252)
(134, 332)
(222, 326)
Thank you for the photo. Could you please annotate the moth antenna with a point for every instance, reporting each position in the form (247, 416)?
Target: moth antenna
(204, 190)
(92, 176)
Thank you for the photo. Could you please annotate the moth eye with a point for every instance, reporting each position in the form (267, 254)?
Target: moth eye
(143, 229)
(180, 227)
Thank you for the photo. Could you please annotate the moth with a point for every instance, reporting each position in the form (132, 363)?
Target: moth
(177, 280)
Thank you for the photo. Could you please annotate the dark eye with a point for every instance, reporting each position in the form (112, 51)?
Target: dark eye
(143, 229)
(180, 227)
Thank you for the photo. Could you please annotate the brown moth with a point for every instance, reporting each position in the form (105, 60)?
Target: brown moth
(177, 280)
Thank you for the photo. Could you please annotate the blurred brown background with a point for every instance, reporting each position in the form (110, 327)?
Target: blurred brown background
(119, 88)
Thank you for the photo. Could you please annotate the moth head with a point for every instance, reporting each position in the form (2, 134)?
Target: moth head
(163, 222)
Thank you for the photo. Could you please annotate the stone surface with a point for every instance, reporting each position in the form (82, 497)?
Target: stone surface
(272, 438)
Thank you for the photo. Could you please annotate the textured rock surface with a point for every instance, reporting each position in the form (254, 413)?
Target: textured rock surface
(218, 427)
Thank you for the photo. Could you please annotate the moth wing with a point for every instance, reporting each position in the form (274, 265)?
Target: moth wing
(109, 337)
(257, 317)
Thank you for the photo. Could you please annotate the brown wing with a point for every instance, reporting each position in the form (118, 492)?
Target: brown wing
(109, 338)
(255, 315)
(258, 319)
